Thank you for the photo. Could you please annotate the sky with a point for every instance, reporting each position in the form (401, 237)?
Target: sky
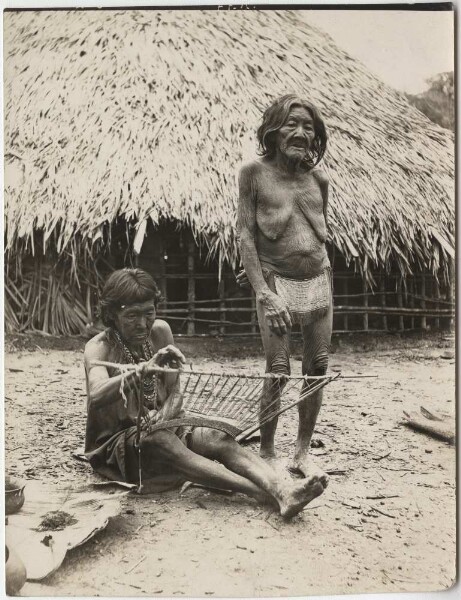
(403, 48)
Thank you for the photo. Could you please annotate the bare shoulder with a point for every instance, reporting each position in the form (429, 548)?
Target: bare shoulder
(161, 334)
(251, 168)
(97, 348)
(320, 176)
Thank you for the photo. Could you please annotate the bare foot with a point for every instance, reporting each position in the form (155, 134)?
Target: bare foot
(294, 499)
(278, 463)
(306, 466)
(268, 454)
(265, 499)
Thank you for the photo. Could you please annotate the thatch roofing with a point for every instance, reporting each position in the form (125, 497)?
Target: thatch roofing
(149, 114)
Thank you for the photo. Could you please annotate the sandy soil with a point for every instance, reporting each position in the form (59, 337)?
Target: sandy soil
(387, 523)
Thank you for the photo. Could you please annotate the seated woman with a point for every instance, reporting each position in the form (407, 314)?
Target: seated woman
(177, 454)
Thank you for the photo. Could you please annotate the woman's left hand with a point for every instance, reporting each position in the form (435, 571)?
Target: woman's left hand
(170, 356)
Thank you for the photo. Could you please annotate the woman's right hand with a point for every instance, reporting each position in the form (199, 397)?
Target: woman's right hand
(242, 279)
(276, 312)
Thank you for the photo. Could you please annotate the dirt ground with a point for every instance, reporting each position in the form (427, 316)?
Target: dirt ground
(386, 523)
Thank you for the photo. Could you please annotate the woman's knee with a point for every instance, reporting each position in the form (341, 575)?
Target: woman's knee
(216, 437)
(213, 443)
(320, 363)
(160, 443)
(317, 364)
(278, 362)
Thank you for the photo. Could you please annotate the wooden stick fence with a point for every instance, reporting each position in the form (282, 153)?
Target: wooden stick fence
(388, 303)
(410, 312)
(226, 309)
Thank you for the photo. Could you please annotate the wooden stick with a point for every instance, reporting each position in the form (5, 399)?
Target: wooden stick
(451, 289)
(296, 335)
(395, 310)
(400, 304)
(210, 300)
(338, 310)
(437, 306)
(162, 268)
(383, 301)
(433, 300)
(243, 375)
(135, 565)
(365, 305)
(308, 392)
(213, 321)
(198, 276)
(211, 309)
(381, 497)
(254, 314)
(382, 512)
(222, 307)
(412, 302)
(423, 302)
(362, 294)
(342, 309)
(190, 285)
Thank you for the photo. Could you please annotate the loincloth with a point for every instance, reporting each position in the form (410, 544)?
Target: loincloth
(118, 459)
(308, 300)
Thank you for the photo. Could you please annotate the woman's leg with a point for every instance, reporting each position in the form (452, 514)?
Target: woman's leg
(162, 451)
(317, 339)
(277, 352)
(291, 496)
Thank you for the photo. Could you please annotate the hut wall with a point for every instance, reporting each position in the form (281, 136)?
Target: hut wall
(41, 294)
(198, 303)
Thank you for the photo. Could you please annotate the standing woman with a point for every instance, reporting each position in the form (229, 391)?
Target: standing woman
(282, 226)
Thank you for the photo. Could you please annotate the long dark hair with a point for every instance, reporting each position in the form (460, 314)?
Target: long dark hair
(274, 118)
(125, 287)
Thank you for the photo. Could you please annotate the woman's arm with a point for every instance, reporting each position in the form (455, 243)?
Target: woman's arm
(169, 397)
(103, 389)
(246, 230)
(276, 311)
(323, 181)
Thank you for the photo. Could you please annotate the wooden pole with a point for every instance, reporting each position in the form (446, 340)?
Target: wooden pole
(254, 316)
(365, 305)
(222, 306)
(412, 287)
(157, 243)
(423, 301)
(437, 305)
(346, 291)
(190, 285)
(451, 289)
(339, 309)
(400, 304)
(382, 288)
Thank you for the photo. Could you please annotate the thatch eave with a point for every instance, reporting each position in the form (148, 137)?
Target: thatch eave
(150, 114)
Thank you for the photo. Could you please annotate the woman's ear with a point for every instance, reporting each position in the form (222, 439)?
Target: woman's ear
(110, 316)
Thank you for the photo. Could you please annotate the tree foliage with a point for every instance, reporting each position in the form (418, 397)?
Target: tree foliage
(438, 101)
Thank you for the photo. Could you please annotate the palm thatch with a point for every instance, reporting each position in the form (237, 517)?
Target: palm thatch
(146, 114)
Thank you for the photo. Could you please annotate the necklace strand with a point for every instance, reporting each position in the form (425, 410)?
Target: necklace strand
(149, 383)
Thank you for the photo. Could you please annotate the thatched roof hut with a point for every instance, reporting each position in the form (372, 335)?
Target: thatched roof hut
(146, 114)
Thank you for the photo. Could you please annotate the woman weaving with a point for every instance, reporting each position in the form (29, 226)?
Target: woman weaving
(169, 456)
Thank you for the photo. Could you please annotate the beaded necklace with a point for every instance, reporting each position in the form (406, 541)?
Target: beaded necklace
(149, 383)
